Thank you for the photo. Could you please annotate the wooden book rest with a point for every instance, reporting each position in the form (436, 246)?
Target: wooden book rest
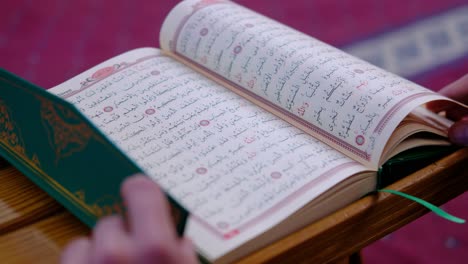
(34, 227)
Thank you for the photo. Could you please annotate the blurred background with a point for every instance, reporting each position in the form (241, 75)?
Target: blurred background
(426, 41)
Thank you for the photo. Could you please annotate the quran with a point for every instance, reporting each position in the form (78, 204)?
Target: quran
(252, 127)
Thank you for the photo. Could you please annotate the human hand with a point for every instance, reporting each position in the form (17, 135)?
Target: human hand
(149, 237)
(458, 90)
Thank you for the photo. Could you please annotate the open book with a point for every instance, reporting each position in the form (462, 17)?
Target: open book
(256, 129)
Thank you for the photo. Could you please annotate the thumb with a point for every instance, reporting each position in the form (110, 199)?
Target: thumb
(187, 252)
(458, 132)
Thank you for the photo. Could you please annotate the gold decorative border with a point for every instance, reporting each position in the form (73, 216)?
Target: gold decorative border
(64, 138)
(8, 135)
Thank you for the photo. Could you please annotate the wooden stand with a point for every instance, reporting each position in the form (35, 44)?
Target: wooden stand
(34, 227)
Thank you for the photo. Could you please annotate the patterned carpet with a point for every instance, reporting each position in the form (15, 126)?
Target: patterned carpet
(49, 41)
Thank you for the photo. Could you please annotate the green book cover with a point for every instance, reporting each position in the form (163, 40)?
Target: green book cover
(409, 162)
(53, 144)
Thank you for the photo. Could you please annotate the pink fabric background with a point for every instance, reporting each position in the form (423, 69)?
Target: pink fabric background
(49, 41)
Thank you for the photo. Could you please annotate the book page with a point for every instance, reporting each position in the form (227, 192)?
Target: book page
(342, 100)
(238, 169)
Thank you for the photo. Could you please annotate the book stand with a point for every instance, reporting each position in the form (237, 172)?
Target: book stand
(34, 227)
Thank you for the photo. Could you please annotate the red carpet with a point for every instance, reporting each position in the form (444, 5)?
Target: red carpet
(50, 41)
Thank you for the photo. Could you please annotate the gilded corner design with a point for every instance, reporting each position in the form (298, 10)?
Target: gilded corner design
(67, 133)
(10, 136)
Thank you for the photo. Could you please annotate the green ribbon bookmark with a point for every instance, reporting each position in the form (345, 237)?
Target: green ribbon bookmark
(428, 205)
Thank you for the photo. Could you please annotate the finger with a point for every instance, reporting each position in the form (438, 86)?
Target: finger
(187, 251)
(111, 243)
(439, 106)
(77, 252)
(458, 132)
(457, 90)
(148, 212)
(452, 111)
(456, 113)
